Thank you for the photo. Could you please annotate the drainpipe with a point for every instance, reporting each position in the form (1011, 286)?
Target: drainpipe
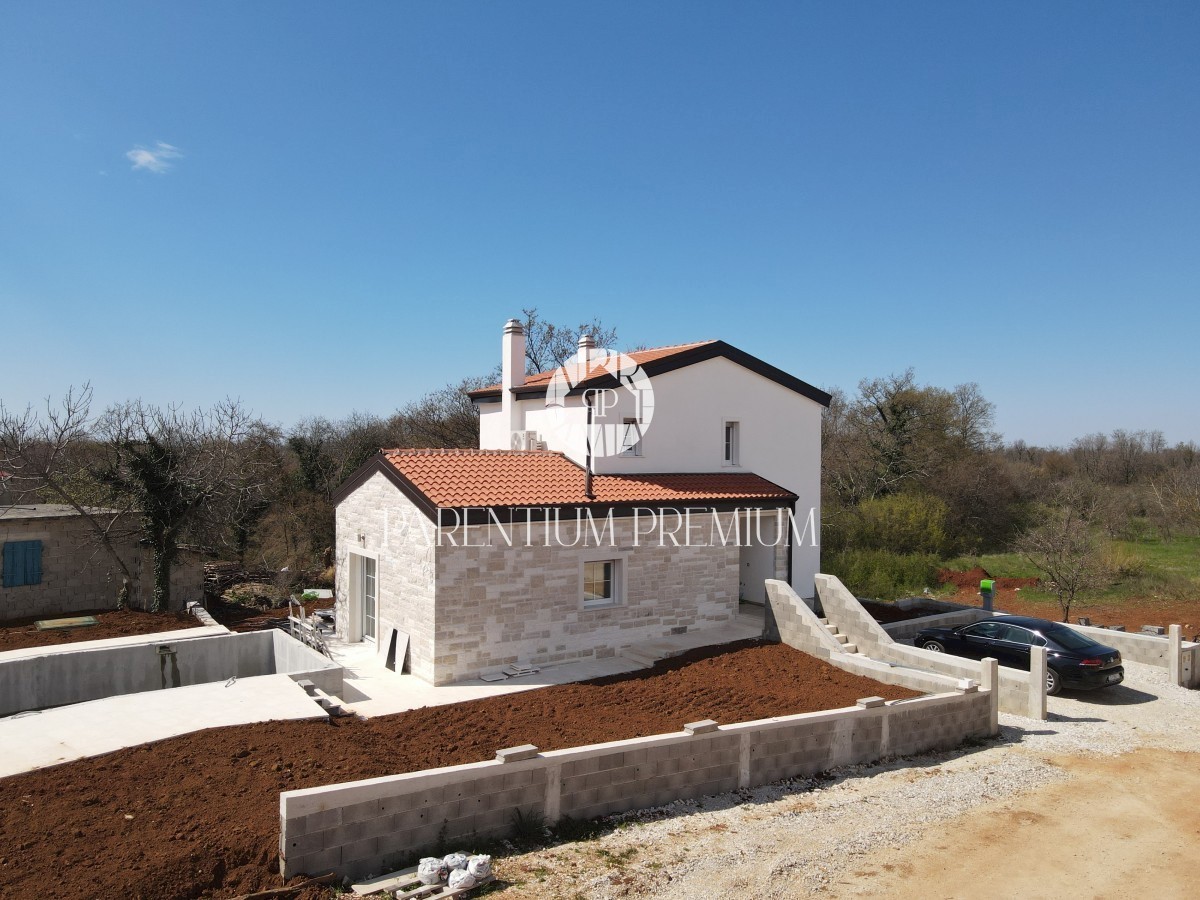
(587, 468)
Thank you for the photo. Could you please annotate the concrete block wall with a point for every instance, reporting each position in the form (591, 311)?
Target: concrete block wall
(77, 575)
(907, 630)
(790, 620)
(44, 677)
(843, 609)
(498, 604)
(378, 825)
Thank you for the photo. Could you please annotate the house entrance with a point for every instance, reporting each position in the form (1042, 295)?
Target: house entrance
(757, 561)
(364, 597)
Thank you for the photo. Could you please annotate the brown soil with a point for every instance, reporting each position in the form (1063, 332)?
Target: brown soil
(198, 815)
(886, 613)
(114, 623)
(1133, 614)
(970, 579)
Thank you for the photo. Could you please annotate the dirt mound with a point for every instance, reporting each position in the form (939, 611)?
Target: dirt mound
(198, 815)
(969, 580)
(114, 623)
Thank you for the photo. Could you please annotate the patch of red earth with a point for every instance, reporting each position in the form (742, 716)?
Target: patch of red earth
(197, 815)
(886, 613)
(1131, 613)
(970, 579)
(21, 633)
(247, 618)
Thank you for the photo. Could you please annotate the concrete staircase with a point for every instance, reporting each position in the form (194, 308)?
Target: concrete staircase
(841, 638)
(331, 704)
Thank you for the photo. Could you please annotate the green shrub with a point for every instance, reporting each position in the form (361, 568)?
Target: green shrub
(882, 574)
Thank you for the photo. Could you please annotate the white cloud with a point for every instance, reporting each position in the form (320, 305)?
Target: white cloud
(155, 160)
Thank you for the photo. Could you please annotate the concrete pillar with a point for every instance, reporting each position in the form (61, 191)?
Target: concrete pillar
(1175, 654)
(989, 680)
(744, 760)
(1037, 682)
(552, 809)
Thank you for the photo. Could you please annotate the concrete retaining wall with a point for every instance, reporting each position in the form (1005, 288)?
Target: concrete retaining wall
(378, 825)
(1018, 692)
(1152, 650)
(43, 677)
(790, 620)
(907, 630)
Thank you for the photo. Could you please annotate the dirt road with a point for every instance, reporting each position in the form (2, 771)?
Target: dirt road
(1099, 801)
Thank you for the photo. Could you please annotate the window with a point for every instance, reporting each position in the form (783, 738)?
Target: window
(631, 438)
(991, 630)
(22, 563)
(600, 583)
(731, 443)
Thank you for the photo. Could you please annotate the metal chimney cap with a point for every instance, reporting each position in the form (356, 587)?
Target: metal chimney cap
(513, 326)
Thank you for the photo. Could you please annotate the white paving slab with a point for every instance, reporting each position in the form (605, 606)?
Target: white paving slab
(34, 740)
(371, 689)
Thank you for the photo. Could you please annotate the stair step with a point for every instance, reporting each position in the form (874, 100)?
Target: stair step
(832, 629)
(851, 648)
(823, 621)
(842, 639)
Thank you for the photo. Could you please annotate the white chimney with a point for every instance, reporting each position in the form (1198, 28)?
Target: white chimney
(512, 375)
(587, 349)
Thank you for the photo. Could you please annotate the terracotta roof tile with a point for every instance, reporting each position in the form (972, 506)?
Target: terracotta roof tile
(458, 478)
(641, 357)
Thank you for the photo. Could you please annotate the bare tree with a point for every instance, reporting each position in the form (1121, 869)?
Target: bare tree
(46, 458)
(1063, 547)
(185, 473)
(548, 346)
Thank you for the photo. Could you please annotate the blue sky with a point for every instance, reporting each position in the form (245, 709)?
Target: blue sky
(321, 207)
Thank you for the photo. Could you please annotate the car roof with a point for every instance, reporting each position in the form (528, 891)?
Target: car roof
(1025, 622)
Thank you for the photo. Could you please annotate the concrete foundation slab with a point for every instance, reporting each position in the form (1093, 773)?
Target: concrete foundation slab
(34, 740)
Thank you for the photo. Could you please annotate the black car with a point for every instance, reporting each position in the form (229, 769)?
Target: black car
(1072, 660)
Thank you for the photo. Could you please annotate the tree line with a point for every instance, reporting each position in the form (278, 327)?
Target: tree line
(912, 475)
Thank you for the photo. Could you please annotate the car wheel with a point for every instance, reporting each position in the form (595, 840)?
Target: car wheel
(1053, 682)
(935, 646)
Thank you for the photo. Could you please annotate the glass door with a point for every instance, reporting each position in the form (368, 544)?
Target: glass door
(369, 595)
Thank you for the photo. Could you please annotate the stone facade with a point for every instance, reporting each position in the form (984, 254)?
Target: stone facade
(77, 574)
(498, 604)
(472, 603)
(400, 538)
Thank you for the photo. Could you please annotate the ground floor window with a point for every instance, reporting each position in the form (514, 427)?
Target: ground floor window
(22, 563)
(600, 583)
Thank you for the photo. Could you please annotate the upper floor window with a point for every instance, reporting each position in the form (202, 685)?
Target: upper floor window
(731, 444)
(631, 437)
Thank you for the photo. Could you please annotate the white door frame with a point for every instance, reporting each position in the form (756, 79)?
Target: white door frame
(357, 611)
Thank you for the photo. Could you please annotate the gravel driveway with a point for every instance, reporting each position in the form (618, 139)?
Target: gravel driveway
(868, 831)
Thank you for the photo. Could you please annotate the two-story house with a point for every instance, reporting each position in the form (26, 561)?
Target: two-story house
(614, 500)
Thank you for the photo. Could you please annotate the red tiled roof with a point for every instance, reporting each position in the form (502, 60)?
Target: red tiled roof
(459, 478)
(641, 357)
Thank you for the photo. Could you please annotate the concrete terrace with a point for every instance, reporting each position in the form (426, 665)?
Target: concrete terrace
(371, 689)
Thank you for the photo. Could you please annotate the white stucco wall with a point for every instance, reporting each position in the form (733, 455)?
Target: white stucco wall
(779, 437)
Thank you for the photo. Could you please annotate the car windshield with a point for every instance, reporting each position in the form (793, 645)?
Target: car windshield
(1068, 639)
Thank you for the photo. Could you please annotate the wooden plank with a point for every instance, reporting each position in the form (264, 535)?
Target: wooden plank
(70, 622)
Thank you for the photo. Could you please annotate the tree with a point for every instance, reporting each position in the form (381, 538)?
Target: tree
(46, 458)
(548, 346)
(1063, 547)
(186, 474)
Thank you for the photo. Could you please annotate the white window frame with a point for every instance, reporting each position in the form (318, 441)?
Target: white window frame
(634, 449)
(618, 580)
(731, 449)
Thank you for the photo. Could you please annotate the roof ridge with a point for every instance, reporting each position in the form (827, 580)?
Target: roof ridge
(462, 451)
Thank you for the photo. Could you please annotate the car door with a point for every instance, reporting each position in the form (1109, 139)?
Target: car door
(1013, 645)
(980, 640)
